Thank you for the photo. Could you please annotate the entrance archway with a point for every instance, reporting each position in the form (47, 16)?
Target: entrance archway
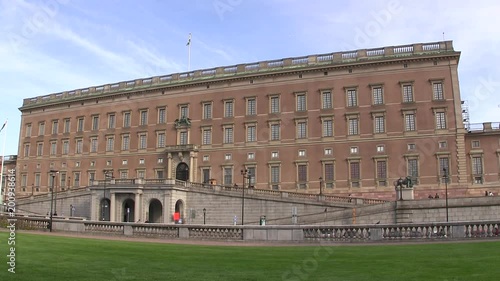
(155, 211)
(179, 209)
(105, 206)
(129, 210)
(182, 172)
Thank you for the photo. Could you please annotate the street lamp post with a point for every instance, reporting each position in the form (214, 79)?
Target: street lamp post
(445, 176)
(244, 174)
(53, 174)
(320, 186)
(204, 215)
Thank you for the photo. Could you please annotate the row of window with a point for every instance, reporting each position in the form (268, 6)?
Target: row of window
(302, 174)
(301, 127)
(251, 108)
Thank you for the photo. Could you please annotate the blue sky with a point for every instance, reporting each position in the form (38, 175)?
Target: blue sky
(52, 46)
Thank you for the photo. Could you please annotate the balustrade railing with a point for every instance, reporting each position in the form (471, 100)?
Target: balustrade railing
(346, 233)
(220, 233)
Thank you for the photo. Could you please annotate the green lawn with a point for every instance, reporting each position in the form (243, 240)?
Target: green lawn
(41, 257)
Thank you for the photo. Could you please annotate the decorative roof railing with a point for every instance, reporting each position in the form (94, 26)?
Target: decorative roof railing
(240, 69)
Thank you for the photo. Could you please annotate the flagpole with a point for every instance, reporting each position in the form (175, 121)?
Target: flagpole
(3, 157)
(189, 52)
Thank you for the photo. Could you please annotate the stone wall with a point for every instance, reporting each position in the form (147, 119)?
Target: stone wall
(459, 209)
(40, 204)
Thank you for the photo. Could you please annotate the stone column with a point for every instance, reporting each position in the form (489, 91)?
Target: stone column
(112, 208)
(169, 165)
(191, 166)
(137, 208)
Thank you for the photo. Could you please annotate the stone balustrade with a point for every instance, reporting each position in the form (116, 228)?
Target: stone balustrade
(336, 58)
(273, 233)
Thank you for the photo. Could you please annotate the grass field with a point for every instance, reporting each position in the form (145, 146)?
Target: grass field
(42, 257)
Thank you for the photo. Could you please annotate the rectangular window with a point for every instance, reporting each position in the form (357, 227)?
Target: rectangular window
(410, 122)
(53, 148)
(228, 135)
(143, 141)
(162, 115)
(55, 127)
(382, 173)
(408, 93)
(477, 165)
(95, 123)
(143, 117)
(328, 128)
(160, 140)
(251, 106)
(228, 109)
(62, 180)
(159, 174)
(251, 133)
(65, 147)
(125, 142)
(444, 164)
(326, 100)
(275, 132)
(24, 180)
(111, 121)
(477, 169)
(183, 138)
(228, 176)
(476, 144)
(124, 174)
(377, 95)
(437, 89)
(26, 150)
(41, 128)
(39, 149)
(79, 146)
(352, 98)
(183, 111)
(76, 179)
(302, 176)
(302, 130)
(413, 169)
(110, 144)
(207, 110)
(67, 125)
(251, 176)
(205, 175)
(440, 120)
(275, 104)
(329, 175)
(301, 102)
(355, 174)
(91, 177)
(37, 179)
(80, 123)
(353, 126)
(275, 177)
(93, 144)
(28, 130)
(126, 119)
(379, 124)
(207, 136)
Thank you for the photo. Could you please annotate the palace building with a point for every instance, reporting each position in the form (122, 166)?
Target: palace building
(339, 123)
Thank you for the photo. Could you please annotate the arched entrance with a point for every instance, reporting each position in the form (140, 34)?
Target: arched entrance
(182, 172)
(155, 211)
(105, 206)
(179, 211)
(128, 210)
